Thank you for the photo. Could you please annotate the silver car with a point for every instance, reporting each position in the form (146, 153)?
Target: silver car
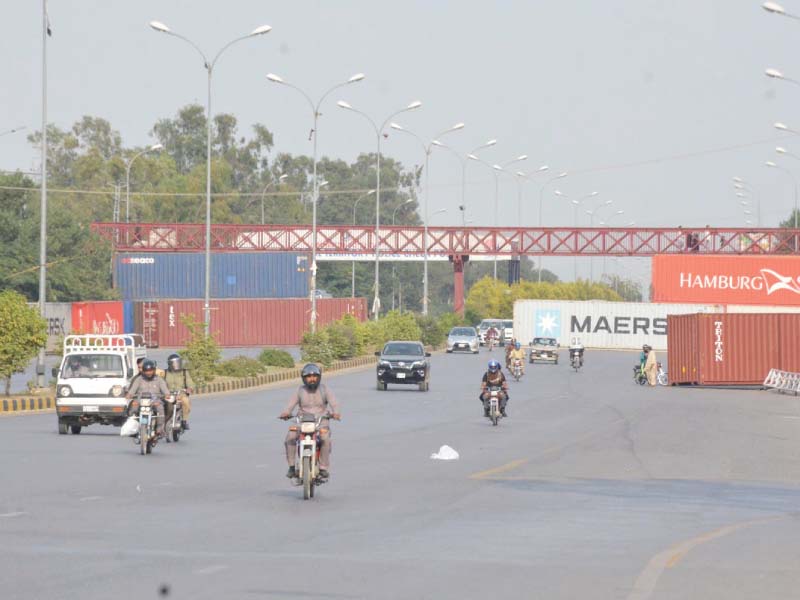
(463, 339)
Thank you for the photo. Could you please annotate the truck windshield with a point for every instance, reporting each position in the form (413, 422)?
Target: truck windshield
(92, 365)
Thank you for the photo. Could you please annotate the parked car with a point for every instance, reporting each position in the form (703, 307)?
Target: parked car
(405, 363)
(486, 324)
(464, 339)
(544, 349)
(508, 329)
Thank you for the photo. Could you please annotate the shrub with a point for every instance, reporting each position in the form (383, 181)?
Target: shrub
(273, 357)
(316, 347)
(400, 326)
(240, 366)
(431, 331)
(343, 338)
(202, 351)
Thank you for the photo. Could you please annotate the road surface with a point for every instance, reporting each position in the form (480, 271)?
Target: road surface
(593, 488)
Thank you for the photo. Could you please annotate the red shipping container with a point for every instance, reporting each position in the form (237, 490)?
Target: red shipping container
(253, 322)
(773, 280)
(731, 349)
(106, 318)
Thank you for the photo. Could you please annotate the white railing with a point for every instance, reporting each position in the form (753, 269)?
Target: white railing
(783, 381)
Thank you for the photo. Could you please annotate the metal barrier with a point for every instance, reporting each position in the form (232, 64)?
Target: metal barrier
(783, 381)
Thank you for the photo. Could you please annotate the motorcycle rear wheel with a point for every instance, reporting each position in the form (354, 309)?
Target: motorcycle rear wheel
(307, 482)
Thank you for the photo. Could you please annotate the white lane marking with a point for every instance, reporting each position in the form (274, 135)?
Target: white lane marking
(11, 515)
(789, 417)
(91, 498)
(262, 466)
(211, 570)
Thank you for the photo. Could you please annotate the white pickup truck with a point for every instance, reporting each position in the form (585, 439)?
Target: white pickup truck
(93, 377)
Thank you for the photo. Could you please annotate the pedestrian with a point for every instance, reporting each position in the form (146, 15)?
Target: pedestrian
(651, 367)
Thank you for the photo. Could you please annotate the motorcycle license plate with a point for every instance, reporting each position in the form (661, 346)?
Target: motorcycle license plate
(91, 409)
(401, 375)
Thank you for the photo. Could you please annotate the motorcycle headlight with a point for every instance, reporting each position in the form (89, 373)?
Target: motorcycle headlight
(307, 427)
(116, 391)
(64, 391)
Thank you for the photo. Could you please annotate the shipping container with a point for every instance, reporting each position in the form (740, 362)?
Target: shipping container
(252, 322)
(98, 317)
(599, 324)
(161, 275)
(731, 349)
(59, 323)
(145, 319)
(770, 280)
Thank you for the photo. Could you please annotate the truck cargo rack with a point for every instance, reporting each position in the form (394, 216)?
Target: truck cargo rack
(81, 344)
(783, 381)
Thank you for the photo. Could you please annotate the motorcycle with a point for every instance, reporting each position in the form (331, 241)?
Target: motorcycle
(661, 376)
(174, 429)
(575, 359)
(307, 457)
(148, 419)
(516, 368)
(494, 404)
(639, 376)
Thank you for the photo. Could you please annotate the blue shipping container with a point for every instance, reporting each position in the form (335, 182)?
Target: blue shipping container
(156, 275)
(127, 317)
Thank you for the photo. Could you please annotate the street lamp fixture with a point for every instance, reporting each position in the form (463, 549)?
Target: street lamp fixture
(427, 148)
(316, 184)
(376, 302)
(209, 66)
(153, 148)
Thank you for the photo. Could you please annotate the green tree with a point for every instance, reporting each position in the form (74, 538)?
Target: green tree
(22, 333)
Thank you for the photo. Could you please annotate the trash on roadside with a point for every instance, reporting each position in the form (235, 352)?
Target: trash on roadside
(445, 453)
(130, 427)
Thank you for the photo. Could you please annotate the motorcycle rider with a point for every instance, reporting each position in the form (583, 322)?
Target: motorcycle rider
(509, 348)
(178, 378)
(517, 353)
(149, 383)
(643, 357)
(576, 347)
(315, 399)
(491, 337)
(138, 375)
(494, 377)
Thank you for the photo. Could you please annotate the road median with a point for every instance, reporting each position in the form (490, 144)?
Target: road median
(47, 402)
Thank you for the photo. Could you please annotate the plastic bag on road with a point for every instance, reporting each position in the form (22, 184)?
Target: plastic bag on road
(445, 453)
(130, 427)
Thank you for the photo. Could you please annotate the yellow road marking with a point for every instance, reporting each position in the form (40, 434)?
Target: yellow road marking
(501, 469)
(669, 558)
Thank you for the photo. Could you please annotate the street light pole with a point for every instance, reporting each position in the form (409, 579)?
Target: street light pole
(591, 214)
(541, 201)
(577, 204)
(353, 269)
(427, 148)
(394, 273)
(43, 208)
(152, 148)
(315, 109)
(376, 302)
(264, 192)
(209, 66)
(607, 224)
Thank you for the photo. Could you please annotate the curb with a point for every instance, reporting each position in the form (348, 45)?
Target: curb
(48, 403)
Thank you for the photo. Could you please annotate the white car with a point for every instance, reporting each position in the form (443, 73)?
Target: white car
(508, 328)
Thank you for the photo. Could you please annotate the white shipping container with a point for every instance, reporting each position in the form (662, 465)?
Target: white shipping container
(599, 324)
(59, 323)
(759, 308)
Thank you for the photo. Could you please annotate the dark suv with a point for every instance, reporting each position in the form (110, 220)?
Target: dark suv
(403, 362)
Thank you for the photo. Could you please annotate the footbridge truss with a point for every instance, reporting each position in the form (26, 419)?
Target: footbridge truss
(344, 242)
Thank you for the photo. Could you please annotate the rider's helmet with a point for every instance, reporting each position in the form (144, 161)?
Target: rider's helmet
(148, 369)
(517, 345)
(646, 348)
(174, 362)
(311, 376)
(494, 366)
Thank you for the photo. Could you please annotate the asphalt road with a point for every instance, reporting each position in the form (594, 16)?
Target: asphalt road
(593, 488)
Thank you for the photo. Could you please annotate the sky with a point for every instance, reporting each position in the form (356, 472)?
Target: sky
(654, 104)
